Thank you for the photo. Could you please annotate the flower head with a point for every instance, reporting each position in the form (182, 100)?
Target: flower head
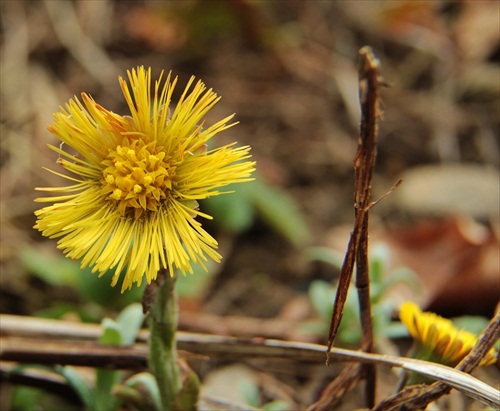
(439, 337)
(136, 180)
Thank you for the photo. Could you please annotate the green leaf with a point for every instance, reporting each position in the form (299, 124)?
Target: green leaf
(187, 397)
(53, 269)
(322, 295)
(395, 330)
(148, 382)
(78, 384)
(472, 323)
(278, 405)
(325, 255)
(236, 212)
(280, 211)
(25, 398)
(191, 285)
(233, 212)
(130, 321)
(61, 309)
(249, 391)
(111, 332)
(58, 270)
(98, 289)
(105, 380)
(378, 259)
(397, 276)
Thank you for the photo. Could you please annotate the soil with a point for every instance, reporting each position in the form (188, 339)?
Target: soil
(289, 72)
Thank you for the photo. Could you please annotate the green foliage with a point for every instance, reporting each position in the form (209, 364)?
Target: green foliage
(26, 399)
(191, 285)
(140, 392)
(120, 332)
(93, 398)
(234, 213)
(252, 396)
(35, 399)
(111, 334)
(86, 312)
(249, 391)
(95, 291)
(76, 381)
(273, 205)
(54, 270)
(206, 22)
(325, 255)
(472, 323)
(58, 270)
(278, 405)
(99, 396)
(187, 397)
(322, 295)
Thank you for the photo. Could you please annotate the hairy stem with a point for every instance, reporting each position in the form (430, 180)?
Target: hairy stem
(162, 358)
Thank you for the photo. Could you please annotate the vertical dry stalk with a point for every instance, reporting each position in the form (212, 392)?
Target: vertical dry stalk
(357, 251)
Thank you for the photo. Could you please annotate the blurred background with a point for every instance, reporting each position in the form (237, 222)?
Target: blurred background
(288, 69)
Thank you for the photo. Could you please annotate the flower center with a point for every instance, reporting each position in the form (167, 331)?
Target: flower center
(137, 177)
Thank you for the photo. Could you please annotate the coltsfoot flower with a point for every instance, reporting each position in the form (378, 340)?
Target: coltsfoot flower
(439, 339)
(136, 180)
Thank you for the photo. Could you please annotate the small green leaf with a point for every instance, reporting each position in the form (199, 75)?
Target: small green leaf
(234, 212)
(58, 270)
(105, 380)
(400, 275)
(274, 205)
(98, 289)
(130, 321)
(278, 405)
(61, 309)
(472, 323)
(191, 285)
(25, 398)
(395, 330)
(53, 269)
(111, 332)
(76, 381)
(148, 382)
(280, 211)
(187, 397)
(325, 255)
(322, 295)
(250, 392)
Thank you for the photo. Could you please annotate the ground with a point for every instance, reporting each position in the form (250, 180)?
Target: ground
(289, 72)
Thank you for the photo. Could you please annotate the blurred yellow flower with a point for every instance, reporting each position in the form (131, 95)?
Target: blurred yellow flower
(136, 180)
(439, 337)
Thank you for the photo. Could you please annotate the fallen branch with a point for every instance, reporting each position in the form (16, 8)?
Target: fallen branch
(42, 341)
(419, 396)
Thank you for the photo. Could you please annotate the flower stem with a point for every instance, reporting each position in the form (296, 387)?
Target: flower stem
(162, 359)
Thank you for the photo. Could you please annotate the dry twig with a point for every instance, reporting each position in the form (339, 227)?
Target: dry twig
(419, 396)
(42, 341)
(357, 250)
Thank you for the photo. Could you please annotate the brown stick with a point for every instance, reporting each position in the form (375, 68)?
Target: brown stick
(357, 250)
(419, 396)
(333, 393)
(369, 97)
(364, 163)
(43, 341)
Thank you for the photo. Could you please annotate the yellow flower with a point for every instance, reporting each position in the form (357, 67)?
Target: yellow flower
(438, 336)
(136, 180)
